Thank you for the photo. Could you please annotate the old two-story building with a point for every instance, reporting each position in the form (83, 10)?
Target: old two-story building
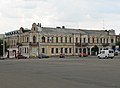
(54, 41)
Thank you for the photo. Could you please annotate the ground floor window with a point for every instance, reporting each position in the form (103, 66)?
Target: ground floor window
(80, 50)
(61, 50)
(66, 50)
(84, 50)
(52, 50)
(43, 50)
(76, 50)
(56, 50)
(70, 50)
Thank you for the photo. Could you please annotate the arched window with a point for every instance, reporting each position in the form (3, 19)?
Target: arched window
(43, 39)
(34, 39)
(93, 40)
(112, 41)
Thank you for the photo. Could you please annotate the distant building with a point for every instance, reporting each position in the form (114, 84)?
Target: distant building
(54, 41)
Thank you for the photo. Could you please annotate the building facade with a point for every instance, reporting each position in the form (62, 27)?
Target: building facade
(54, 41)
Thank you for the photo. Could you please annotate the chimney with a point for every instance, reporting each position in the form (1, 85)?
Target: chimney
(63, 27)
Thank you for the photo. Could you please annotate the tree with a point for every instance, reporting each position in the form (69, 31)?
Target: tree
(1, 47)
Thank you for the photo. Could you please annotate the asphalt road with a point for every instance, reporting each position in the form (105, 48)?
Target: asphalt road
(54, 72)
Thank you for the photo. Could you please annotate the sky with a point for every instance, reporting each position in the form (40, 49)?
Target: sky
(82, 14)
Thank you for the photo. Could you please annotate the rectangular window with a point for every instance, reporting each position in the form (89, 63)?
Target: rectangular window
(27, 50)
(70, 50)
(52, 50)
(61, 39)
(43, 50)
(52, 39)
(93, 40)
(61, 50)
(70, 40)
(80, 40)
(76, 50)
(66, 50)
(101, 40)
(48, 39)
(56, 50)
(84, 40)
(97, 40)
(76, 39)
(107, 40)
(65, 39)
(88, 40)
(56, 39)
(104, 40)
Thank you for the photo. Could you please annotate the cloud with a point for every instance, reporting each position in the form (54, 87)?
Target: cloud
(71, 13)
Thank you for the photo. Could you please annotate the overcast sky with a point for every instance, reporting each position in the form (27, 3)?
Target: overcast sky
(87, 14)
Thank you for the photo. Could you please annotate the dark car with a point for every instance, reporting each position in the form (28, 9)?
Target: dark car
(21, 57)
(83, 55)
(43, 56)
(62, 55)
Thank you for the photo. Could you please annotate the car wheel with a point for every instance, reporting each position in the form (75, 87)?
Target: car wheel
(106, 57)
(99, 57)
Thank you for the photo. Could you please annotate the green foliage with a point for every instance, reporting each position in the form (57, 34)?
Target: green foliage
(118, 43)
(1, 47)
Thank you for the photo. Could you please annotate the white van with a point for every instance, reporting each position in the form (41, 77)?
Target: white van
(106, 54)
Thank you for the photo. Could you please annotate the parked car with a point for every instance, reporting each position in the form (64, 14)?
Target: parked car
(83, 55)
(105, 54)
(21, 57)
(62, 55)
(43, 55)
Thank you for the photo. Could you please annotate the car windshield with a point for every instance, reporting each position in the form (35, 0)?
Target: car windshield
(102, 52)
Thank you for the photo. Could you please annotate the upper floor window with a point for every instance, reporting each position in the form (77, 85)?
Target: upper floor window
(101, 40)
(34, 39)
(70, 40)
(84, 40)
(104, 40)
(27, 39)
(93, 40)
(88, 40)
(76, 39)
(61, 39)
(65, 39)
(97, 40)
(34, 28)
(48, 39)
(56, 39)
(80, 40)
(107, 40)
(43, 39)
(52, 39)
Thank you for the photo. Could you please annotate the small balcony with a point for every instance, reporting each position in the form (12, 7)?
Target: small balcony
(33, 44)
(78, 44)
(19, 44)
(105, 44)
(81, 44)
